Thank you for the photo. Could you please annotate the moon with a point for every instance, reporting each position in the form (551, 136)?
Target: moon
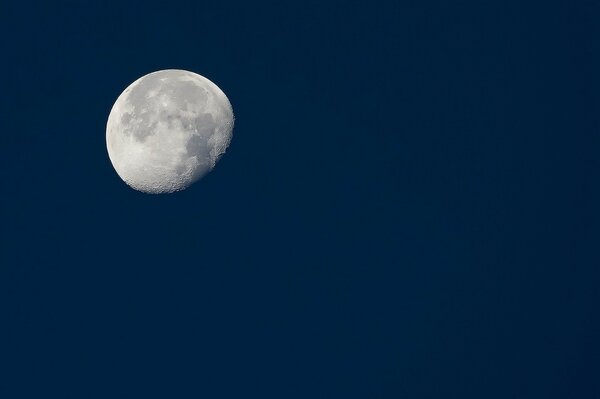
(167, 130)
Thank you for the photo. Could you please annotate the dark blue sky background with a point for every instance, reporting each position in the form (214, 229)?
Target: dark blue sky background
(410, 207)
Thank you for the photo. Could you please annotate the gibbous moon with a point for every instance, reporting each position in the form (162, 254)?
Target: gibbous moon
(167, 130)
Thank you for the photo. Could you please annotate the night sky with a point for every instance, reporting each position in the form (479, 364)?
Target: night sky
(409, 208)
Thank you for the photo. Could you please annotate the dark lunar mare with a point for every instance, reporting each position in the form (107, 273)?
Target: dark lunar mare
(182, 93)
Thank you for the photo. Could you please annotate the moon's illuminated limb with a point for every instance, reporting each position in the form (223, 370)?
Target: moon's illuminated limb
(167, 130)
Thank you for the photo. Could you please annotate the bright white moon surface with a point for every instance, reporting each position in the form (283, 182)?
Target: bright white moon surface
(167, 130)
